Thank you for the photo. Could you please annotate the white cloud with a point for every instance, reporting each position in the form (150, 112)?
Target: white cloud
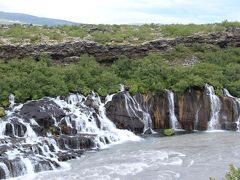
(122, 11)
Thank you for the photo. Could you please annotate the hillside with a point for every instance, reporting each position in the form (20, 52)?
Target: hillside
(153, 59)
(29, 19)
(105, 34)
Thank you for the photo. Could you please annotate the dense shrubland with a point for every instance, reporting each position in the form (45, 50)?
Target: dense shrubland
(30, 79)
(106, 34)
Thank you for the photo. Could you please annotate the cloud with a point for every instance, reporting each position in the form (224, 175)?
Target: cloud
(128, 11)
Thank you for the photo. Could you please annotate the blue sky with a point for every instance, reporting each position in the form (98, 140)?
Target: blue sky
(129, 11)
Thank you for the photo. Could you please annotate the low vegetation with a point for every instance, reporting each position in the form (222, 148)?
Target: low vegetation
(30, 79)
(233, 174)
(105, 34)
(168, 132)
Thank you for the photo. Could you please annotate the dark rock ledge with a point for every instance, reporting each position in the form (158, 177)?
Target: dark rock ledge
(69, 52)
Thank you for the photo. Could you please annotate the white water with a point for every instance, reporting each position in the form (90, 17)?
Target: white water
(28, 166)
(238, 119)
(11, 100)
(77, 113)
(134, 109)
(148, 159)
(195, 156)
(215, 108)
(237, 101)
(174, 124)
(82, 114)
(5, 169)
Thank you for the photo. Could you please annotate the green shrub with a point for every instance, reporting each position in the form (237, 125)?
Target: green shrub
(168, 132)
(2, 112)
(29, 79)
(233, 174)
(106, 34)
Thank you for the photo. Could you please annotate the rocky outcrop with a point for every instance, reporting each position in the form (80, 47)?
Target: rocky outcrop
(36, 135)
(69, 52)
(45, 112)
(123, 116)
(193, 110)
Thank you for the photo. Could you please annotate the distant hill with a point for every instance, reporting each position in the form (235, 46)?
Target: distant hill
(7, 18)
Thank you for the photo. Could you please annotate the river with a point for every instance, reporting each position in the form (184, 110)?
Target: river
(195, 156)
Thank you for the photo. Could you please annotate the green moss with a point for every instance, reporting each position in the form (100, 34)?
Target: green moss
(2, 112)
(168, 132)
(53, 130)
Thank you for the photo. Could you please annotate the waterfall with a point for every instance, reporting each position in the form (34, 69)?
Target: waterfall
(238, 118)
(107, 130)
(225, 92)
(215, 108)
(174, 124)
(11, 100)
(30, 147)
(134, 109)
(196, 122)
(122, 88)
(5, 169)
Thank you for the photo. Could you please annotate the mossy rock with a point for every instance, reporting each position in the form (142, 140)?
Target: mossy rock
(168, 132)
(2, 112)
(4, 104)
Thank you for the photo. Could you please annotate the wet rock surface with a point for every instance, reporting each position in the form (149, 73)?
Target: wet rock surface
(44, 111)
(194, 110)
(126, 113)
(37, 135)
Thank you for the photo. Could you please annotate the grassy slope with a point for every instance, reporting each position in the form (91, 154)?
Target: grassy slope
(106, 34)
(29, 79)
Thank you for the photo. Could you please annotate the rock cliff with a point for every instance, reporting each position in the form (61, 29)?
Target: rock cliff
(195, 110)
(68, 52)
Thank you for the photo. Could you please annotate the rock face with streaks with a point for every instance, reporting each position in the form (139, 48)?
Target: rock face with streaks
(129, 112)
(195, 110)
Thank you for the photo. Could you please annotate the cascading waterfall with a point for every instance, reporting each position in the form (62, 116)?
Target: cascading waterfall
(196, 122)
(225, 92)
(5, 169)
(215, 108)
(173, 119)
(107, 130)
(29, 147)
(238, 119)
(136, 110)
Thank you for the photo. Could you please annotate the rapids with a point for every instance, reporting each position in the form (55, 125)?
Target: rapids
(39, 135)
(190, 156)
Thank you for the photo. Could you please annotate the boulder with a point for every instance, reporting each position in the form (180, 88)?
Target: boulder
(124, 117)
(45, 112)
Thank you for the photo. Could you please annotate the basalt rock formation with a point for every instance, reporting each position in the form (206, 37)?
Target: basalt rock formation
(195, 110)
(131, 113)
(69, 52)
(37, 135)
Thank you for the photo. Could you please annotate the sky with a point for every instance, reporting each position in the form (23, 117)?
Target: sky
(129, 11)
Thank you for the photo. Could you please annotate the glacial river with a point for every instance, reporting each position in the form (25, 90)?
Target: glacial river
(195, 156)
